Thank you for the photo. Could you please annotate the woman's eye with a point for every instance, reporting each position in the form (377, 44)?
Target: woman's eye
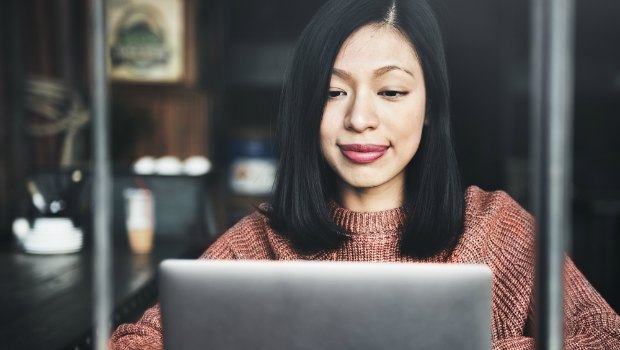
(336, 93)
(392, 93)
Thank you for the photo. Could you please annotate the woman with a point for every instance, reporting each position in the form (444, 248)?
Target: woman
(368, 173)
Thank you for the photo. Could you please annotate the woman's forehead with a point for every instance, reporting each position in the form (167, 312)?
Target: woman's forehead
(376, 45)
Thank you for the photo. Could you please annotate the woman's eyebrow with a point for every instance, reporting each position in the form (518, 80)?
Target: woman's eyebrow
(383, 70)
(344, 75)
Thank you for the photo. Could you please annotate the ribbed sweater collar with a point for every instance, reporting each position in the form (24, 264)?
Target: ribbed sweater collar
(386, 222)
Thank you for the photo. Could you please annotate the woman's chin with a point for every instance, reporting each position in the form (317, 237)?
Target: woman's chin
(361, 185)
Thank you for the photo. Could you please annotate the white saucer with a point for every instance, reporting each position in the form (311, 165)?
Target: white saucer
(52, 249)
(53, 241)
(65, 250)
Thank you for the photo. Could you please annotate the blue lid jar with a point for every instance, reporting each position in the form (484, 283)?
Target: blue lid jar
(252, 167)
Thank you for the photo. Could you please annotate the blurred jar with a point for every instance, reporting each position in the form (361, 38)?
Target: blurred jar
(252, 166)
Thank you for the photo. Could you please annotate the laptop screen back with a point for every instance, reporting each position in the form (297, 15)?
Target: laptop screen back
(324, 305)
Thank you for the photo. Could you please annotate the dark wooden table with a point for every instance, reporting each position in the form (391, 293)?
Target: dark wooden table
(46, 300)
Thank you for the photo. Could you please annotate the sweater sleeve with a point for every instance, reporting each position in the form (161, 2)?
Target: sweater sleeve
(589, 322)
(146, 333)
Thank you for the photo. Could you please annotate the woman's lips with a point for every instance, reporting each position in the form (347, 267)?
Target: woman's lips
(363, 154)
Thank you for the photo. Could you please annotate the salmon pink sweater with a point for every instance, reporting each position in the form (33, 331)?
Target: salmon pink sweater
(497, 232)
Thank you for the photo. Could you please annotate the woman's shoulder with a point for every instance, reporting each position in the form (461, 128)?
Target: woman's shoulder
(490, 207)
(254, 223)
(505, 224)
(247, 239)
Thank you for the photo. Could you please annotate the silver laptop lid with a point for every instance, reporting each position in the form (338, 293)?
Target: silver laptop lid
(293, 305)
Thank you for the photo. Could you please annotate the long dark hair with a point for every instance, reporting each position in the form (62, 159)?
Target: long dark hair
(304, 183)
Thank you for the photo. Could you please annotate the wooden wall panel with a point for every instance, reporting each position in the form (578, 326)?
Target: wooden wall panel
(53, 39)
(40, 32)
(161, 121)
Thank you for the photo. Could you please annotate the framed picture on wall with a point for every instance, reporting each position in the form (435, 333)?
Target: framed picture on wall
(147, 41)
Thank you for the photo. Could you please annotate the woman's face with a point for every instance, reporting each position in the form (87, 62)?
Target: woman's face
(373, 119)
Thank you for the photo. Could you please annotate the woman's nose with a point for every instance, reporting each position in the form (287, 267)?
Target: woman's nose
(361, 115)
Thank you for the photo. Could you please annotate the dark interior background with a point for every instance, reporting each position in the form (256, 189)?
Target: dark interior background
(241, 48)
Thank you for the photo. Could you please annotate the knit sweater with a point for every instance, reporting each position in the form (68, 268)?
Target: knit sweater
(497, 232)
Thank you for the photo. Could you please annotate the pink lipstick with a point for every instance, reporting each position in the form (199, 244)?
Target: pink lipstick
(363, 154)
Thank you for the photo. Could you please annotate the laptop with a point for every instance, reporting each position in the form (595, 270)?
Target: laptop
(295, 305)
